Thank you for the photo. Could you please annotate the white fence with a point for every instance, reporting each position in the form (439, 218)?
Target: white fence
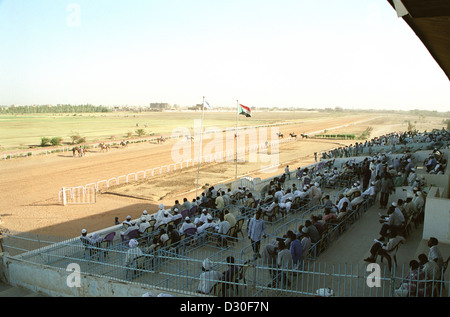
(152, 172)
(78, 195)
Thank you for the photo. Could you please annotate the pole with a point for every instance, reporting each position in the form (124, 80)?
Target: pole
(237, 119)
(200, 147)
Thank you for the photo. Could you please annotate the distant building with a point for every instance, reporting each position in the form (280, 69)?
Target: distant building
(159, 106)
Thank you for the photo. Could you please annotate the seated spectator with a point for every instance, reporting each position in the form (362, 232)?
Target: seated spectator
(176, 206)
(173, 234)
(286, 206)
(268, 198)
(390, 222)
(127, 222)
(187, 224)
(228, 216)
(163, 237)
(312, 230)
(86, 239)
(186, 204)
(429, 268)
(153, 246)
(328, 216)
(328, 204)
(288, 195)
(165, 219)
(226, 197)
(434, 253)
(269, 211)
(160, 213)
(248, 202)
(343, 211)
(143, 225)
(305, 239)
(203, 218)
(357, 200)
(316, 223)
(398, 180)
(413, 284)
(125, 232)
(177, 217)
(207, 225)
(381, 248)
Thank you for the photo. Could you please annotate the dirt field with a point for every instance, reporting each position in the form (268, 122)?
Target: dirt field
(29, 187)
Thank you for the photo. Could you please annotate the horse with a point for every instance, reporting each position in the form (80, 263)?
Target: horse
(304, 135)
(293, 135)
(124, 143)
(280, 135)
(81, 151)
(104, 147)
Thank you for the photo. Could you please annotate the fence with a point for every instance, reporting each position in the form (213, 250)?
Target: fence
(178, 269)
(156, 171)
(78, 196)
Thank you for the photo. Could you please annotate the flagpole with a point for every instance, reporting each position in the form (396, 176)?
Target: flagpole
(201, 145)
(237, 119)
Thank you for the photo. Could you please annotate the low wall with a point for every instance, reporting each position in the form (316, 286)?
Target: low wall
(55, 282)
(437, 216)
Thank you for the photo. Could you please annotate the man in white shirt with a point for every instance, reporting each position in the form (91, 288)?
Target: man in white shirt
(278, 194)
(187, 224)
(208, 278)
(343, 199)
(133, 252)
(208, 224)
(203, 217)
(144, 224)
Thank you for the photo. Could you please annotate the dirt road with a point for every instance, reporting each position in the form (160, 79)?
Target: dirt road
(29, 187)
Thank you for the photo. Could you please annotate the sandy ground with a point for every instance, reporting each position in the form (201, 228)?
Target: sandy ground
(29, 187)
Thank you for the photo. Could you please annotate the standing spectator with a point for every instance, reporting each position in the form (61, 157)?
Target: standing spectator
(296, 249)
(287, 173)
(387, 186)
(313, 232)
(219, 202)
(256, 231)
(284, 262)
(133, 252)
(208, 278)
(228, 276)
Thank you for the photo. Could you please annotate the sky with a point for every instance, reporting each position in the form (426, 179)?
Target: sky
(354, 54)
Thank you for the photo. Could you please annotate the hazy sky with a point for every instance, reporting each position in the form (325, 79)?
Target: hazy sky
(285, 53)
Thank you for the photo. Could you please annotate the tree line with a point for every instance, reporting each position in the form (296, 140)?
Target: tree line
(54, 109)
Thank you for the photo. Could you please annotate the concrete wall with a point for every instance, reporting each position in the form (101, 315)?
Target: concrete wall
(437, 216)
(54, 282)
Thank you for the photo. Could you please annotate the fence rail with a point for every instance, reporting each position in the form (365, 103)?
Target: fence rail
(156, 171)
(178, 269)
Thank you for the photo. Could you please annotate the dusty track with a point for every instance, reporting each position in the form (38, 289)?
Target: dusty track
(29, 187)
